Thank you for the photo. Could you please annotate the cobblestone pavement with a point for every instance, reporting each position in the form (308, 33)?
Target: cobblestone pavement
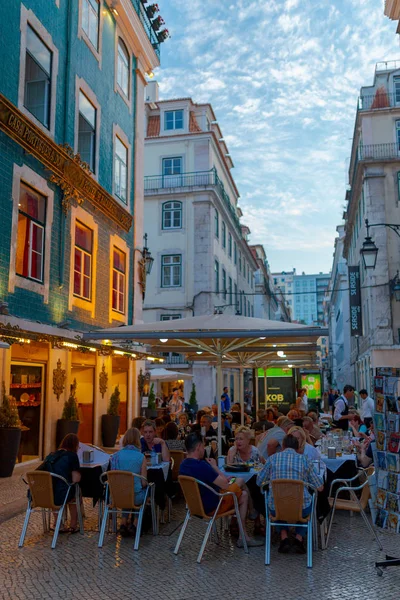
(77, 569)
(13, 491)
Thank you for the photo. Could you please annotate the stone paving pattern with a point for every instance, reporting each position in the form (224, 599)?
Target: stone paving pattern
(77, 569)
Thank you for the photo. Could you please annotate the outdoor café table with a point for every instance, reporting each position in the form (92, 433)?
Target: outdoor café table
(161, 476)
(341, 467)
(90, 484)
(245, 475)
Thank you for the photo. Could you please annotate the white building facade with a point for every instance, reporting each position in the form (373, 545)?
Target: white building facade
(268, 304)
(374, 177)
(203, 263)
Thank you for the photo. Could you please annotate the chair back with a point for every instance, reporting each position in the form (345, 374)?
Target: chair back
(191, 492)
(366, 492)
(288, 499)
(41, 488)
(177, 456)
(122, 490)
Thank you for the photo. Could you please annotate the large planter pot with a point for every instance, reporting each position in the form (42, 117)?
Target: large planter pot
(64, 427)
(150, 12)
(109, 430)
(150, 413)
(10, 438)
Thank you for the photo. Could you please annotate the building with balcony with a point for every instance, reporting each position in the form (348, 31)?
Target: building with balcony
(283, 282)
(337, 311)
(374, 192)
(268, 302)
(203, 263)
(71, 196)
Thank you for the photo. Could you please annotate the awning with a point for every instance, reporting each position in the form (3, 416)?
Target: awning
(166, 375)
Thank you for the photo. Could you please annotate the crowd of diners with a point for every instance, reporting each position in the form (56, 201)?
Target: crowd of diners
(280, 446)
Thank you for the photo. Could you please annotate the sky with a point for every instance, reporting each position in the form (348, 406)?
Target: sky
(283, 77)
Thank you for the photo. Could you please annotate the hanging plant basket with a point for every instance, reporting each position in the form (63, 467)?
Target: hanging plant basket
(162, 36)
(152, 10)
(157, 23)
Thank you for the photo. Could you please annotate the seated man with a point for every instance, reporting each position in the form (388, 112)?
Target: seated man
(272, 440)
(207, 430)
(262, 424)
(208, 472)
(288, 464)
(150, 443)
(312, 428)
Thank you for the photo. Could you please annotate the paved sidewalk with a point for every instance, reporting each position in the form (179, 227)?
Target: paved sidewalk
(78, 569)
(13, 492)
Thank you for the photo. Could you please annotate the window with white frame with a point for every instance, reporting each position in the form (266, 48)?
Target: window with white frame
(216, 223)
(83, 256)
(216, 276)
(173, 119)
(172, 215)
(230, 290)
(31, 232)
(398, 135)
(396, 89)
(123, 68)
(87, 131)
(172, 166)
(121, 170)
(224, 284)
(91, 20)
(170, 317)
(223, 234)
(38, 61)
(236, 298)
(234, 253)
(171, 270)
(230, 245)
(240, 261)
(118, 280)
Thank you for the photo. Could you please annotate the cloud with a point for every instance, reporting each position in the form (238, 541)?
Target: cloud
(283, 77)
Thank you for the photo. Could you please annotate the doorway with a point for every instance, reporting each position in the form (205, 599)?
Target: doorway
(120, 379)
(85, 399)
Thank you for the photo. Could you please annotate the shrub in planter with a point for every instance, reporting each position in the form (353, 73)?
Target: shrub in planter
(193, 399)
(69, 422)
(110, 421)
(151, 10)
(150, 411)
(10, 434)
(156, 23)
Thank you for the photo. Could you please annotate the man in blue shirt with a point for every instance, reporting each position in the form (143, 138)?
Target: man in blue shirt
(225, 401)
(208, 472)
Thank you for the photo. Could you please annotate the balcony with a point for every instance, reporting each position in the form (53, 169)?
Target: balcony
(198, 179)
(172, 358)
(379, 152)
(380, 100)
(147, 26)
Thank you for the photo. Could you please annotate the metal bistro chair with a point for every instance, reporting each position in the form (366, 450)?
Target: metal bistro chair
(355, 504)
(194, 508)
(41, 496)
(120, 497)
(288, 499)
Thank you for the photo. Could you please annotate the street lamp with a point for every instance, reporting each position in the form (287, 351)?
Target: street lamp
(369, 251)
(147, 257)
(145, 265)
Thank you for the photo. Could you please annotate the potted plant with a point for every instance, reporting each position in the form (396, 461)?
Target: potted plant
(10, 434)
(157, 22)
(69, 422)
(150, 411)
(162, 36)
(151, 10)
(193, 399)
(110, 421)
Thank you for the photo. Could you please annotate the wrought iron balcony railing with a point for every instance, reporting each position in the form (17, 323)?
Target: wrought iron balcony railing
(379, 152)
(144, 19)
(154, 183)
(381, 99)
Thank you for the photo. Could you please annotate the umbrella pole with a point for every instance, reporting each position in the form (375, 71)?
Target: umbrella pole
(265, 388)
(219, 389)
(241, 393)
(256, 390)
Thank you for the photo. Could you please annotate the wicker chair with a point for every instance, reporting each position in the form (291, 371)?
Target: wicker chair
(178, 456)
(355, 504)
(120, 497)
(288, 499)
(194, 508)
(41, 496)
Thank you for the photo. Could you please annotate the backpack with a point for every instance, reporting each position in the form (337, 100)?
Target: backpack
(50, 461)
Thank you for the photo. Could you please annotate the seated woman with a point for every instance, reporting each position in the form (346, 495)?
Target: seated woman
(270, 415)
(358, 427)
(160, 426)
(171, 432)
(130, 458)
(184, 427)
(65, 462)
(304, 446)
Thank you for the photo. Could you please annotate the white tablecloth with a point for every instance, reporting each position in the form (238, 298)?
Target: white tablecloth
(334, 463)
(100, 458)
(245, 475)
(164, 466)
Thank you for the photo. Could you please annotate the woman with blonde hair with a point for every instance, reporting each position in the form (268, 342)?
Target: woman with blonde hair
(304, 446)
(243, 451)
(130, 458)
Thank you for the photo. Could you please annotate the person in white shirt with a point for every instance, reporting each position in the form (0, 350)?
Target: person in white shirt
(305, 399)
(175, 405)
(367, 407)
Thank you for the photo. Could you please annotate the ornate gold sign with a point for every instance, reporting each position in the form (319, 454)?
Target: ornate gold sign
(59, 377)
(68, 170)
(103, 381)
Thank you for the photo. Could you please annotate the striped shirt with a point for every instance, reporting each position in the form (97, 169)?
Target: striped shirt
(289, 465)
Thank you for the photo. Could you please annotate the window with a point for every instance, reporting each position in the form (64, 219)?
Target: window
(236, 298)
(396, 89)
(252, 311)
(171, 270)
(173, 119)
(244, 305)
(398, 135)
(120, 170)
(170, 318)
(118, 280)
(37, 77)
(230, 290)
(230, 245)
(83, 261)
(223, 234)
(172, 215)
(240, 261)
(216, 223)
(224, 284)
(216, 275)
(30, 237)
(87, 131)
(234, 253)
(123, 68)
(90, 20)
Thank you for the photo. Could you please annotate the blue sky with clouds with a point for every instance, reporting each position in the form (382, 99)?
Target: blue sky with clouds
(283, 77)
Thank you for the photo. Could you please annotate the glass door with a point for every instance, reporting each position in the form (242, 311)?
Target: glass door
(27, 388)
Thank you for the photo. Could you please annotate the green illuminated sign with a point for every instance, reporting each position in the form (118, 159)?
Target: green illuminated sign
(276, 372)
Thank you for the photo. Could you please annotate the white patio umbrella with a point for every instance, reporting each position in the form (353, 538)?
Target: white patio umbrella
(160, 374)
